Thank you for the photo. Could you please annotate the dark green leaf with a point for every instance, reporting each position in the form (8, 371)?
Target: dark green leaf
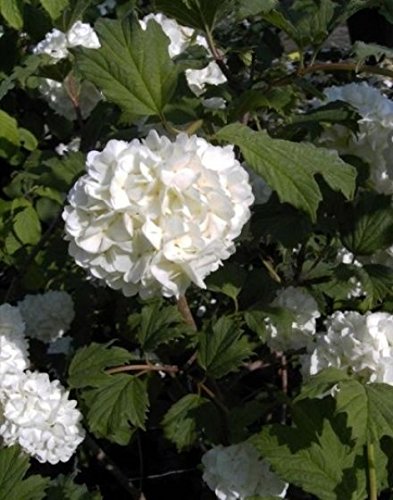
(13, 468)
(179, 422)
(88, 366)
(117, 407)
(157, 324)
(228, 280)
(320, 384)
(64, 488)
(223, 349)
(289, 168)
(246, 8)
(132, 68)
(368, 226)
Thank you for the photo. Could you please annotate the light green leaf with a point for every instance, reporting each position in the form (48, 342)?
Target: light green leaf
(223, 349)
(9, 135)
(88, 366)
(289, 168)
(228, 280)
(132, 67)
(27, 226)
(13, 467)
(54, 7)
(12, 11)
(316, 460)
(179, 422)
(369, 409)
(27, 139)
(368, 226)
(117, 407)
(157, 324)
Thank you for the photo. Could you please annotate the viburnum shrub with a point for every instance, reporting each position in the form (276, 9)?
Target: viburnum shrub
(196, 242)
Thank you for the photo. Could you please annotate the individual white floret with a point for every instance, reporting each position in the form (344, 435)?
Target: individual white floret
(82, 35)
(47, 316)
(54, 44)
(38, 416)
(152, 216)
(14, 357)
(237, 472)
(305, 312)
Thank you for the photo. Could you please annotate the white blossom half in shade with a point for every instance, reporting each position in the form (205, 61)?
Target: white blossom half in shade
(237, 472)
(47, 316)
(152, 216)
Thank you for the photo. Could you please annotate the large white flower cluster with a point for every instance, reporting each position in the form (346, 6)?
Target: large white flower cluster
(181, 38)
(373, 142)
(302, 330)
(14, 357)
(152, 216)
(34, 412)
(358, 343)
(56, 95)
(47, 316)
(237, 472)
(56, 43)
(37, 415)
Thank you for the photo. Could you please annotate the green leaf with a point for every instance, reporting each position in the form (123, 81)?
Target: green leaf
(320, 384)
(363, 51)
(13, 468)
(179, 422)
(368, 226)
(12, 11)
(54, 7)
(289, 168)
(64, 488)
(27, 226)
(246, 8)
(223, 349)
(61, 173)
(199, 14)
(9, 135)
(88, 366)
(228, 280)
(27, 139)
(377, 282)
(157, 324)
(117, 407)
(369, 409)
(132, 68)
(312, 457)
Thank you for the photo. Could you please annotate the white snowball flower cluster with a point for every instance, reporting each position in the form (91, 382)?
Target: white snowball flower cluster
(373, 142)
(14, 357)
(181, 38)
(362, 344)
(56, 95)
(38, 416)
(305, 312)
(56, 43)
(47, 316)
(152, 216)
(237, 472)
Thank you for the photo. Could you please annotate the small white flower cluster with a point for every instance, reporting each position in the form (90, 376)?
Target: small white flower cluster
(344, 256)
(358, 343)
(56, 43)
(56, 95)
(237, 472)
(373, 142)
(47, 316)
(152, 216)
(35, 412)
(305, 312)
(181, 38)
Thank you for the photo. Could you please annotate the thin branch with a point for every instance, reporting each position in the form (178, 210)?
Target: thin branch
(185, 311)
(144, 367)
(109, 465)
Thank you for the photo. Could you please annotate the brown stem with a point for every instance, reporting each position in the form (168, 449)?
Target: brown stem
(185, 311)
(284, 384)
(144, 367)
